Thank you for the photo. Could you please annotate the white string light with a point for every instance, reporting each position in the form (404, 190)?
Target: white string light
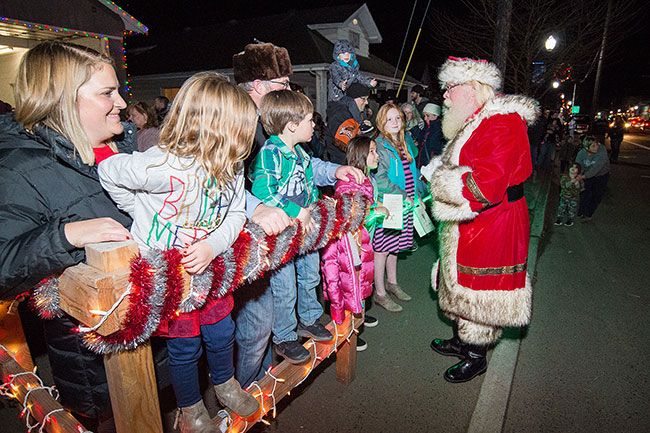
(106, 314)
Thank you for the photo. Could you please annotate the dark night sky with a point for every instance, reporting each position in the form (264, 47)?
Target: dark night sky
(626, 73)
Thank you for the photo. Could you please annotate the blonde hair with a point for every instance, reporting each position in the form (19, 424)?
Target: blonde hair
(400, 143)
(280, 107)
(212, 121)
(49, 77)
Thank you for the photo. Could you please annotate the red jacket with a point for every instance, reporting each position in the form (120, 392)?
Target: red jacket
(484, 235)
(345, 285)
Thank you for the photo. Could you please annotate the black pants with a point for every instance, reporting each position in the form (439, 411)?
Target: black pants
(592, 195)
(616, 146)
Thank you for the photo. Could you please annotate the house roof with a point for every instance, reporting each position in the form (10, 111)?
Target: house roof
(212, 47)
(42, 19)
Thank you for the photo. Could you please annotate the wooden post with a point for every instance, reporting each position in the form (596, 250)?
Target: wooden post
(39, 401)
(97, 285)
(12, 335)
(346, 360)
(132, 386)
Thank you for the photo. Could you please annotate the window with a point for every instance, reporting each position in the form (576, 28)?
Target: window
(354, 39)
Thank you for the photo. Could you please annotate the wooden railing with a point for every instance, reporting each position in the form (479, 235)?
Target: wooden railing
(97, 285)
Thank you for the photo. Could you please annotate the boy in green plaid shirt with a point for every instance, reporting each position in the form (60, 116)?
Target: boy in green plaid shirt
(284, 175)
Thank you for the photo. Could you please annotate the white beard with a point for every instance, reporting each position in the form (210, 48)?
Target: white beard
(454, 119)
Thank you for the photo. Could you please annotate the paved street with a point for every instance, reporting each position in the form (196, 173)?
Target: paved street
(582, 366)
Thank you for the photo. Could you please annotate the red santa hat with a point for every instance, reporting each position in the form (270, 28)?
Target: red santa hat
(458, 70)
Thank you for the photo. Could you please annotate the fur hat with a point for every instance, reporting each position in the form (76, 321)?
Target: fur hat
(431, 109)
(261, 62)
(461, 70)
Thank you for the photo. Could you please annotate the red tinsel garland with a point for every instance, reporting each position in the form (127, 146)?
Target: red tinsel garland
(174, 292)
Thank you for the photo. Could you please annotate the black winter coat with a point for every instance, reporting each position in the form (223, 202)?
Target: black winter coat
(43, 186)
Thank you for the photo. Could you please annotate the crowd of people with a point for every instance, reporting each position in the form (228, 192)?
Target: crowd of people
(581, 163)
(75, 173)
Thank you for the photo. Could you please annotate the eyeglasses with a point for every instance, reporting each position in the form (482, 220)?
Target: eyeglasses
(455, 85)
(285, 84)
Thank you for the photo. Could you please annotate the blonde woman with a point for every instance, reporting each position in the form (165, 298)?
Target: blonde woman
(188, 193)
(396, 174)
(66, 119)
(412, 119)
(145, 119)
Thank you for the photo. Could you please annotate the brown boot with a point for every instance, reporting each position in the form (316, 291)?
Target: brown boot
(397, 291)
(236, 399)
(387, 303)
(195, 419)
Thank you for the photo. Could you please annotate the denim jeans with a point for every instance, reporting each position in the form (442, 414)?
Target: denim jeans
(297, 280)
(254, 320)
(184, 355)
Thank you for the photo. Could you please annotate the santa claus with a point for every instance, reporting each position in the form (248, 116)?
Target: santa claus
(478, 198)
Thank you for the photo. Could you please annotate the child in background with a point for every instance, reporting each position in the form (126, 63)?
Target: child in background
(347, 264)
(188, 193)
(344, 70)
(571, 185)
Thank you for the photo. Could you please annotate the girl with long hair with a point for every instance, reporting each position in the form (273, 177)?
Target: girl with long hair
(188, 193)
(396, 174)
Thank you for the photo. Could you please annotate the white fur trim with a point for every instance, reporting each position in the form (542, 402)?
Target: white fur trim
(495, 308)
(459, 71)
(447, 185)
(476, 333)
(447, 212)
(434, 276)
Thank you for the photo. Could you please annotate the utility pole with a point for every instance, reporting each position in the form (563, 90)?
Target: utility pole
(504, 14)
(601, 54)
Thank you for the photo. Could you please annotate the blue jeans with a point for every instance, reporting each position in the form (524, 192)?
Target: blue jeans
(254, 320)
(184, 355)
(297, 280)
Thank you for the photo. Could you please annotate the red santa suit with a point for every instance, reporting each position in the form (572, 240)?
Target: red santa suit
(477, 194)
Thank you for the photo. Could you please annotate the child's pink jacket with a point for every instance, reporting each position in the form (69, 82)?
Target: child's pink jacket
(343, 285)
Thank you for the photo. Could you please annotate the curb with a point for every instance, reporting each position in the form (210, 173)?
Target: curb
(490, 410)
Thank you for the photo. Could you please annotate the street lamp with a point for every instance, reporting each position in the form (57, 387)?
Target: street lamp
(550, 43)
(555, 84)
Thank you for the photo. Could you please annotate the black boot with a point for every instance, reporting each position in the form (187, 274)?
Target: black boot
(474, 364)
(451, 347)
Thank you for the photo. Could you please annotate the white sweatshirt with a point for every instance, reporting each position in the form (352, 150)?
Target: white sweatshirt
(169, 203)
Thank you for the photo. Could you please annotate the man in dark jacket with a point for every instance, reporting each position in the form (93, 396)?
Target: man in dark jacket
(344, 121)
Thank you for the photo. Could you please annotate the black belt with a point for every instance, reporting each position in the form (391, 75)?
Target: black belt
(515, 192)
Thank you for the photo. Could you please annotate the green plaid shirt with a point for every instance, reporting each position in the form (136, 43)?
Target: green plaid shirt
(276, 174)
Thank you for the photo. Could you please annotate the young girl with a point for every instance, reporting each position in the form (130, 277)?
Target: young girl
(344, 71)
(396, 174)
(188, 193)
(347, 264)
(571, 185)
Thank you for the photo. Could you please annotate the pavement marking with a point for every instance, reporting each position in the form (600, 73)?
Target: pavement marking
(637, 144)
(490, 411)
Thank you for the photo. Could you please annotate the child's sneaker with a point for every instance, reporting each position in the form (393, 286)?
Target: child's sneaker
(370, 322)
(361, 344)
(558, 222)
(292, 351)
(569, 223)
(316, 331)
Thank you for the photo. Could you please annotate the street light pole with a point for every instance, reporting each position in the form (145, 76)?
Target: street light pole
(600, 59)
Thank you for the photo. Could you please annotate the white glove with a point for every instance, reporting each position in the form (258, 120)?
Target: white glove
(427, 170)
